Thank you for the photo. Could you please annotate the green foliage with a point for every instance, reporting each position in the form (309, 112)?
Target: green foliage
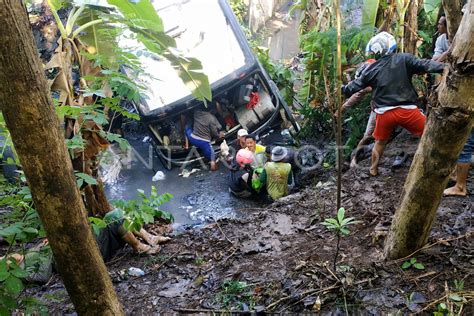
(340, 224)
(426, 30)
(355, 123)
(22, 223)
(97, 224)
(281, 74)
(6, 142)
(95, 113)
(19, 226)
(240, 10)
(144, 210)
(369, 12)
(83, 177)
(235, 293)
(412, 263)
(319, 79)
(199, 261)
(458, 285)
(139, 14)
(431, 7)
(454, 302)
(441, 310)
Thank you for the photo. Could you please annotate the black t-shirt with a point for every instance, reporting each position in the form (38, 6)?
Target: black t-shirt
(236, 183)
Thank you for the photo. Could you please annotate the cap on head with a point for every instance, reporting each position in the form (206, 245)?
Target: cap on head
(278, 153)
(381, 44)
(244, 157)
(242, 132)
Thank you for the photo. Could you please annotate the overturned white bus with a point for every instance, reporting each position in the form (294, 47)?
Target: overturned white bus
(209, 31)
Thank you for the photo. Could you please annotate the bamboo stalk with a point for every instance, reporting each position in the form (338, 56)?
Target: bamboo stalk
(338, 104)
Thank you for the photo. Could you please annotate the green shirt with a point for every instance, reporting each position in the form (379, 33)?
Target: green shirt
(276, 176)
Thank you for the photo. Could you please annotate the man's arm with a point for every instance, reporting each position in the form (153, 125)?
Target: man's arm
(421, 66)
(354, 86)
(216, 127)
(441, 58)
(356, 98)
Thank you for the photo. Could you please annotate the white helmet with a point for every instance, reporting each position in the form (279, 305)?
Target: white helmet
(381, 44)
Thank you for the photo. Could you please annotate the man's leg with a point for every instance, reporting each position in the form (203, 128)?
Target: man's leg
(412, 120)
(384, 126)
(462, 169)
(376, 154)
(210, 154)
(459, 189)
(150, 238)
(360, 147)
(139, 247)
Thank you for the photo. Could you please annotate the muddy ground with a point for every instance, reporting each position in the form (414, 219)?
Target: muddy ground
(279, 258)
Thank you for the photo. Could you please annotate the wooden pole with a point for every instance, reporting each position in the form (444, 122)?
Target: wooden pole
(338, 104)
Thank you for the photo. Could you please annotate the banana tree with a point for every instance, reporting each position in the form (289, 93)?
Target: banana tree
(85, 79)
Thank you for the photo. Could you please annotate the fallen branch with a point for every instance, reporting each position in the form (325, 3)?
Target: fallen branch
(210, 311)
(465, 294)
(157, 267)
(219, 226)
(116, 259)
(439, 241)
(304, 294)
(424, 275)
(332, 273)
(314, 291)
(233, 252)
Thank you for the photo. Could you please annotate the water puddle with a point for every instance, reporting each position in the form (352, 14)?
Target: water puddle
(199, 198)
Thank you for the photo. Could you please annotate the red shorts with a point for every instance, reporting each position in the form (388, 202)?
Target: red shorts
(413, 120)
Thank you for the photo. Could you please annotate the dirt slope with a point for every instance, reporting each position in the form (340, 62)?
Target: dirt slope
(284, 263)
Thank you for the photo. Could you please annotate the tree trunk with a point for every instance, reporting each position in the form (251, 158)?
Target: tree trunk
(447, 129)
(452, 10)
(411, 27)
(39, 142)
(387, 16)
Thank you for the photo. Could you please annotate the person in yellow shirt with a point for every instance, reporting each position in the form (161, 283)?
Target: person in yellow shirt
(251, 143)
(257, 150)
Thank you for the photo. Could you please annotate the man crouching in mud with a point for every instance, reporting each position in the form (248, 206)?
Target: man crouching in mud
(394, 96)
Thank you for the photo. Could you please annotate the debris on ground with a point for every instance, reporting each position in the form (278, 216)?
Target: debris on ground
(186, 173)
(159, 176)
(279, 258)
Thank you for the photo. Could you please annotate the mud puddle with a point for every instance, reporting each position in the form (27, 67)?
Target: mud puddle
(201, 197)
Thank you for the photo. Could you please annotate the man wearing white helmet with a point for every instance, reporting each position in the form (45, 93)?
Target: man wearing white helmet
(393, 95)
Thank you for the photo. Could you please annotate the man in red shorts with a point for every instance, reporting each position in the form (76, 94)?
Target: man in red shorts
(393, 94)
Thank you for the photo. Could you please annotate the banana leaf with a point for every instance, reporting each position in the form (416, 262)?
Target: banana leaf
(431, 8)
(369, 12)
(99, 38)
(142, 19)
